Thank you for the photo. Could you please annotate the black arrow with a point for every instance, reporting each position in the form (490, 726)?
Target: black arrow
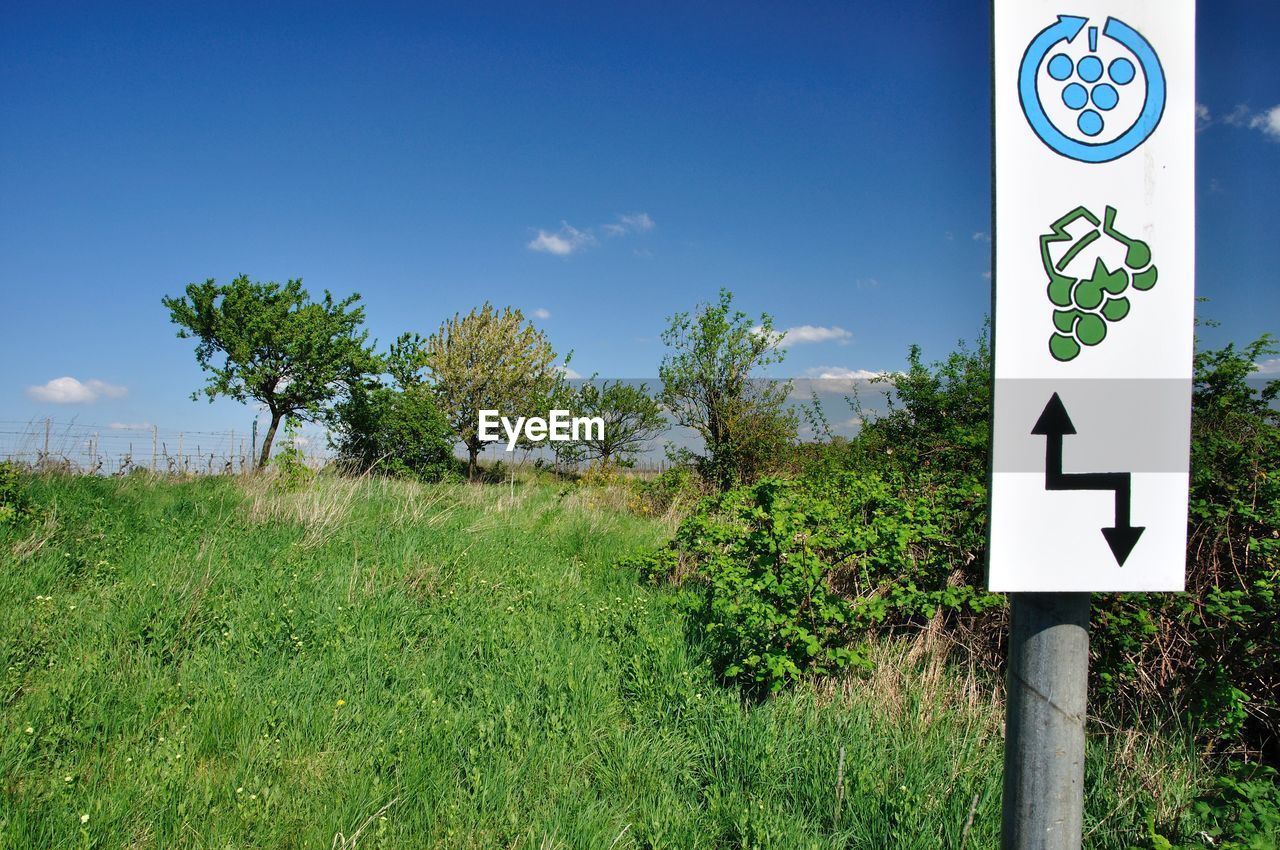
(1053, 424)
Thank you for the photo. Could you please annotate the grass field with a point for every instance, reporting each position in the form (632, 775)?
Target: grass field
(217, 663)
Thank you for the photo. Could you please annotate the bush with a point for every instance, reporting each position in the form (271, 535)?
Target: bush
(791, 574)
(767, 611)
(290, 462)
(901, 512)
(1213, 653)
(1240, 812)
(13, 503)
(672, 488)
(1243, 808)
(1216, 648)
(395, 432)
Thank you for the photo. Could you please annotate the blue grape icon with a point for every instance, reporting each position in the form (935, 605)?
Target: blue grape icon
(1091, 89)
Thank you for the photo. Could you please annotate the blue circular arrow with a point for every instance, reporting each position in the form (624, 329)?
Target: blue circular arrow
(1066, 29)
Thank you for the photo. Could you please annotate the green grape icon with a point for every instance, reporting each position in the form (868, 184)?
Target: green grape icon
(1088, 302)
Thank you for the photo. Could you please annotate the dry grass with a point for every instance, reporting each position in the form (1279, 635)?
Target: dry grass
(914, 684)
(39, 537)
(617, 495)
(321, 506)
(911, 678)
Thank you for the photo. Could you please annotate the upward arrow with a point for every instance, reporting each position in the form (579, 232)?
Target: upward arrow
(1053, 425)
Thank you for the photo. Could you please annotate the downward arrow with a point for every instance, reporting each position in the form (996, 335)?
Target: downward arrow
(1053, 425)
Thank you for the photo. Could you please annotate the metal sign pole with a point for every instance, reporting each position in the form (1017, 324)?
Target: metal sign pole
(1048, 678)
(1093, 276)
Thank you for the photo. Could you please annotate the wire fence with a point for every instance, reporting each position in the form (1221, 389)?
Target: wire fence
(118, 449)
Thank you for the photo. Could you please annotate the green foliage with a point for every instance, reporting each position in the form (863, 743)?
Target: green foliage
(708, 385)
(273, 344)
(907, 499)
(394, 432)
(915, 483)
(404, 360)
(793, 574)
(938, 423)
(13, 501)
(1241, 811)
(768, 613)
(1212, 654)
(290, 463)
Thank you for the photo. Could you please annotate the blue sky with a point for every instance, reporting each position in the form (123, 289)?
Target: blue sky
(601, 166)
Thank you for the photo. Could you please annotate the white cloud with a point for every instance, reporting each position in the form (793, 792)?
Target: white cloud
(867, 283)
(1269, 367)
(1237, 117)
(569, 239)
(68, 390)
(814, 333)
(801, 334)
(1268, 122)
(130, 426)
(565, 241)
(981, 236)
(541, 313)
(777, 335)
(840, 373)
(640, 222)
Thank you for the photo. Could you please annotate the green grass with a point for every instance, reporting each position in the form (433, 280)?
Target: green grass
(217, 664)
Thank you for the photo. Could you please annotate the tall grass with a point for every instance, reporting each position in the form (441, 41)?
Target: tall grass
(367, 663)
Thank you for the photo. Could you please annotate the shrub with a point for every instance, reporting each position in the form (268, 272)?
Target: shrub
(829, 562)
(1216, 648)
(395, 432)
(13, 503)
(673, 487)
(1212, 653)
(290, 462)
(1241, 811)
(901, 516)
(768, 612)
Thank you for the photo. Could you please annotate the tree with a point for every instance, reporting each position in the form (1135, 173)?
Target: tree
(403, 361)
(707, 385)
(275, 345)
(631, 417)
(489, 359)
(937, 421)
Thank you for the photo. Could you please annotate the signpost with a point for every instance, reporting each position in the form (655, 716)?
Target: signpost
(1094, 305)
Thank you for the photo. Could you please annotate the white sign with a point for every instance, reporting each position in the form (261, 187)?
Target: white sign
(1094, 294)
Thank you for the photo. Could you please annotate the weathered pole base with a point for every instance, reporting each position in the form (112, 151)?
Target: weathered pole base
(1044, 728)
